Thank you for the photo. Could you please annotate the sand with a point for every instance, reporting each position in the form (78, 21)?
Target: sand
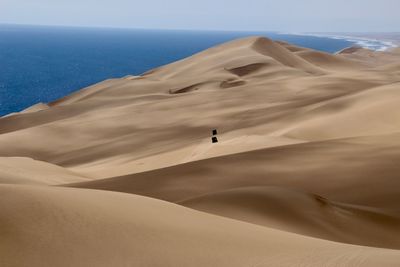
(305, 172)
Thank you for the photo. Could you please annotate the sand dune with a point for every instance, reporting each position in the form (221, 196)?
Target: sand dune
(372, 58)
(360, 171)
(328, 61)
(359, 176)
(93, 228)
(309, 145)
(29, 171)
(306, 214)
(370, 112)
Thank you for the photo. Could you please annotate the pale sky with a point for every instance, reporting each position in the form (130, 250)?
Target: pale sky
(263, 15)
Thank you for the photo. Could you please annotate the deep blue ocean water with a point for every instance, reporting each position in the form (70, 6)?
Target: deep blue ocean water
(42, 64)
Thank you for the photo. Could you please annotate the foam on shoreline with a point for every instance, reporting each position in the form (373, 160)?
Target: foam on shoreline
(368, 43)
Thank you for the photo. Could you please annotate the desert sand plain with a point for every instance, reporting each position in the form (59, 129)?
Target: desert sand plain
(123, 173)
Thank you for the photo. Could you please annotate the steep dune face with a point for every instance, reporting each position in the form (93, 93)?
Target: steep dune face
(93, 228)
(214, 60)
(303, 213)
(309, 143)
(280, 54)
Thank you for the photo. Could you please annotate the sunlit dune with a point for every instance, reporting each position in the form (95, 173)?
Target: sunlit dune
(124, 173)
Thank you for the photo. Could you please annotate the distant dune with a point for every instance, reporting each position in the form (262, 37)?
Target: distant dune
(305, 172)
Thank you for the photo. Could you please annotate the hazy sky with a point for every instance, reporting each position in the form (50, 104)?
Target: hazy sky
(279, 15)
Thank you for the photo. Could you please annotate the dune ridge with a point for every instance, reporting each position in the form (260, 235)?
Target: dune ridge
(124, 173)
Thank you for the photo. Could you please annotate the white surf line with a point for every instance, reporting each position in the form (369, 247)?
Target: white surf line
(369, 43)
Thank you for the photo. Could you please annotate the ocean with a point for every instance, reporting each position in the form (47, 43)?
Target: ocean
(42, 64)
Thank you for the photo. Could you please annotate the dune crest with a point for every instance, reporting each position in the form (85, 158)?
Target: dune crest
(14, 170)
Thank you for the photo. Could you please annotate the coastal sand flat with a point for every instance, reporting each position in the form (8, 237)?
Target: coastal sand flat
(309, 145)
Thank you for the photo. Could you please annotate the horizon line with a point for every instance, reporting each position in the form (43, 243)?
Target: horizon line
(189, 29)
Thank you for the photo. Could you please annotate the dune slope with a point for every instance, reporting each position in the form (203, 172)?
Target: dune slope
(306, 214)
(252, 87)
(93, 228)
(360, 171)
(14, 170)
(309, 145)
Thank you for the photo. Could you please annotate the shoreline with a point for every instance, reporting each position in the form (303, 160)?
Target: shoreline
(374, 41)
